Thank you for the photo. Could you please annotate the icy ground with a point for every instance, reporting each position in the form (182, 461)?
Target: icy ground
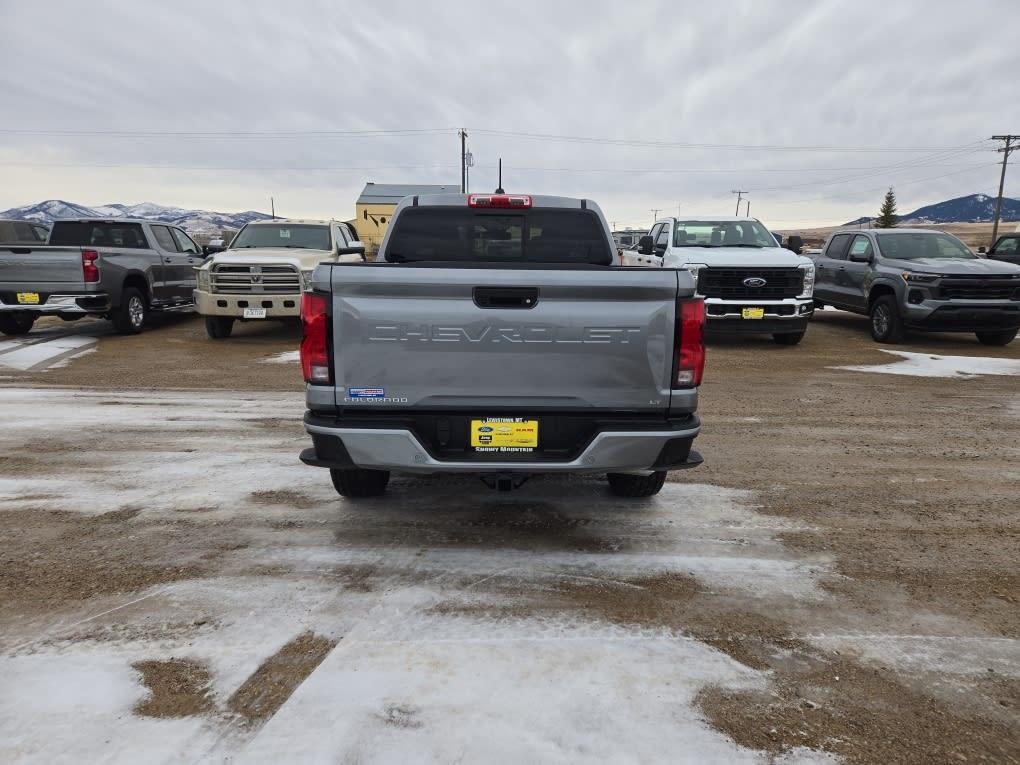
(444, 650)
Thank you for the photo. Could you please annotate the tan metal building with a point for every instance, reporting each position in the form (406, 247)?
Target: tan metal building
(376, 205)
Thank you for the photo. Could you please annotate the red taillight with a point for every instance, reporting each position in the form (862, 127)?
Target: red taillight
(499, 200)
(314, 343)
(690, 343)
(89, 269)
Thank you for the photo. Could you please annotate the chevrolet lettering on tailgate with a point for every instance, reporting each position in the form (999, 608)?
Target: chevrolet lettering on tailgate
(502, 334)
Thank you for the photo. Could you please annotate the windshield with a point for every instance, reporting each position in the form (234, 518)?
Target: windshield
(711, 233)
(923, 245)
(283, 235)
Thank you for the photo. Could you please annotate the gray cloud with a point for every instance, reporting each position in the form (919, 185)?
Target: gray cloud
(792, 74)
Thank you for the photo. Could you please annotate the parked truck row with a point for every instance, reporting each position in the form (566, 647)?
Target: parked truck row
(504, 335)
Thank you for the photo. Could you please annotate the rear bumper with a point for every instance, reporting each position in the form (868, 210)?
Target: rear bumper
(233, 304)
(781, 316)
(400, 450)
(96, 303)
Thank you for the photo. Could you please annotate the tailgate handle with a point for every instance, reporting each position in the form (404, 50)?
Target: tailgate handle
(506, 297)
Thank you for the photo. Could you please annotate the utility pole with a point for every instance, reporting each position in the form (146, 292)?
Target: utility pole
(272, 208)
(748, 208)
(678, 213)
(463, 160)
(739, 194)
(1004, 151)
(655, 214)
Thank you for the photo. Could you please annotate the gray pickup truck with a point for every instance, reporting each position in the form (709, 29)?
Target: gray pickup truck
(120, 269)
(493, 336)
(918, 279)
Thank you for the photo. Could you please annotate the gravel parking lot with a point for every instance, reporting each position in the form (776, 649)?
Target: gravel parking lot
(840, 580)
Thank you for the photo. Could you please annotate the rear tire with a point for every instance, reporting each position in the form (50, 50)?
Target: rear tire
(624, 485)
(218, 327)
(356, 483)
(886, 324)
(129, 317)
(16, 323)
(789, 338)
(1001, 337)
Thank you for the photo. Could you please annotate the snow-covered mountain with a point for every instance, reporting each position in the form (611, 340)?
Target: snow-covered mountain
(192, 221)
(975, 208)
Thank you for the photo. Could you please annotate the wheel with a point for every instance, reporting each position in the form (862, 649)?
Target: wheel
(886, 324)
(129, 317)
(624, 485)
(357, 482)
(218, 327)
(16, 323)
(789, 338)
(1000, 337)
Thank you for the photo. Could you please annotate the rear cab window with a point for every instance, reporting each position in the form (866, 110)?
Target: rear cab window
(837, 247)
(88, 234)
(454, 234)
(16, 231)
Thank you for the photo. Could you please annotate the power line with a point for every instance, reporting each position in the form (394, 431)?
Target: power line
(684, 145)
(883, 188)
(381, 133)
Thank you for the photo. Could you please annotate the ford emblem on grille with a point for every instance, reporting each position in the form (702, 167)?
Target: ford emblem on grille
(755, 281)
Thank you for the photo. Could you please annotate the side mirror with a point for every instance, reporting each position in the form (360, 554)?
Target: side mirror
(982, 250)
(860, 257)
(355, 249)
(645, 245)
(795, 244)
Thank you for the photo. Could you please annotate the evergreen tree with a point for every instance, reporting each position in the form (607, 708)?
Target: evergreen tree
(887, 217)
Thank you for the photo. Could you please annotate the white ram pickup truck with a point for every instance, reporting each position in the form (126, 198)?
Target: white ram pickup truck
(266, 268)
(750, 284)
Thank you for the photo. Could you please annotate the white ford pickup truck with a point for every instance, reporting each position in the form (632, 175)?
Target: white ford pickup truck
(266, 268)
(750, 283)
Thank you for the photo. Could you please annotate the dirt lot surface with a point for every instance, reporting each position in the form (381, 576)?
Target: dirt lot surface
(839, 581)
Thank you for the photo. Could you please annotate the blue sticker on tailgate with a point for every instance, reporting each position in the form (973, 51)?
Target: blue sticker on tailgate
(366, 392)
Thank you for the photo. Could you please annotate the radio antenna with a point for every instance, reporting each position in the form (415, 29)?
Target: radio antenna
(499, 189)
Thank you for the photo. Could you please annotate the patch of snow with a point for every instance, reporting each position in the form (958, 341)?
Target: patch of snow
(287, 357)
(932, 365)
(23, 355)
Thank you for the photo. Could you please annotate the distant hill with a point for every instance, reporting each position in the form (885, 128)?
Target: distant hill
(976, 208)
(192, 221)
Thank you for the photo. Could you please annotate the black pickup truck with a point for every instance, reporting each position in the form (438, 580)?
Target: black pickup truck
(120, 269)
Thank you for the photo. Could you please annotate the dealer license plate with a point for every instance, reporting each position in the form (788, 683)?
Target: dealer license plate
(254, 313)
(501, 434)
(28, 298)
(752, 313)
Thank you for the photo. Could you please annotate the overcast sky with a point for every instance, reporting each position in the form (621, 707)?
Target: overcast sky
(687, 102)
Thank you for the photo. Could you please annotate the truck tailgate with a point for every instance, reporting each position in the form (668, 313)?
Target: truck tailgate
(54, 269)
(487, 338)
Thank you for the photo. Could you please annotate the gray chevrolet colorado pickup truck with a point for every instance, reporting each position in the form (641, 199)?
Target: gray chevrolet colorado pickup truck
(120, 269)
(918, 279)
(493, 336)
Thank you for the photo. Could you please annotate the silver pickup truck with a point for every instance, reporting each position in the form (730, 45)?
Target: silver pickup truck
(120, 269)
(493, 336)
